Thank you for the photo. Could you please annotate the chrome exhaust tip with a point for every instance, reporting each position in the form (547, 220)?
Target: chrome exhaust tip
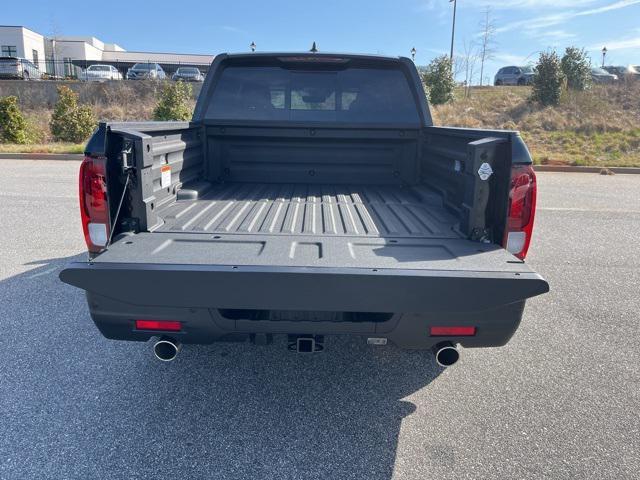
(446, 354)
(166, 349)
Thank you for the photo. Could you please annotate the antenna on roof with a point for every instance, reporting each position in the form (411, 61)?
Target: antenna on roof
(314, 49)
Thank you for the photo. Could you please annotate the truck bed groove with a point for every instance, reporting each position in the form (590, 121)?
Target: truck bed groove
(309, 209)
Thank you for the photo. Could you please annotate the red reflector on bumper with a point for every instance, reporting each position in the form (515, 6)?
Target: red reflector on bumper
(163, 325)
(453, 331)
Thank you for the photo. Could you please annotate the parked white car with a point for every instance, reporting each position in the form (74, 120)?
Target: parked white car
(21, 68)
(100, 73)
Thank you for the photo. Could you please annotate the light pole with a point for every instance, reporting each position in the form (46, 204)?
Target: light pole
(413, 54)
(453, 28)
(53, 54)
(252, 46)
(604, 54)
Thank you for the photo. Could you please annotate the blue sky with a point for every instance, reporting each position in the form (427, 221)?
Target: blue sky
(525, 27)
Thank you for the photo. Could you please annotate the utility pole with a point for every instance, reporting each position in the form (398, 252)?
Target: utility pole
(453, 28)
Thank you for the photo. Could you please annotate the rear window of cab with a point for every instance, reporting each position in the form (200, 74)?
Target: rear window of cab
(352, 95)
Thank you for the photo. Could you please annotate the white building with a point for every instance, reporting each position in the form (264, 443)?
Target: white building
(64, 55)
(18, 41)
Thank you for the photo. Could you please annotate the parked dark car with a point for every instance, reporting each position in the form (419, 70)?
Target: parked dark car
(146, 71)
(310, 195)
(188, 74)
(21, 68)
(514, 76)
(601, 76)
(623, 73)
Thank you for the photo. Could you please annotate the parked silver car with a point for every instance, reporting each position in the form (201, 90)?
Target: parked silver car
(21, 68)
(188, 74)
(100, 73)
(146, 71)
(623, 73)
(514, 76)
(601, 76)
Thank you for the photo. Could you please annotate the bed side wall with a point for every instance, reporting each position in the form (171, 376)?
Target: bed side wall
(450, 163)
(176, 151)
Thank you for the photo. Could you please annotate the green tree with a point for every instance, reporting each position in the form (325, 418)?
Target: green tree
(71, 122)
(13, 127)
(438, 80)
(548, 80)
(576, 67)
(173, 102)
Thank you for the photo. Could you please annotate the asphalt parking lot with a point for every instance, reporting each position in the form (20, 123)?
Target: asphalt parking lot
(560, 401)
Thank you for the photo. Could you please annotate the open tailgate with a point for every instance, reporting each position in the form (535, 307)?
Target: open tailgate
(191, 270)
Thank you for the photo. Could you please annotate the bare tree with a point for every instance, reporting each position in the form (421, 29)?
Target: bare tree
(457, 66)
(487, 43)
(469, 64)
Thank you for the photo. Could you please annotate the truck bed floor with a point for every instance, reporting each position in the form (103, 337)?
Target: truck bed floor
(310, 209)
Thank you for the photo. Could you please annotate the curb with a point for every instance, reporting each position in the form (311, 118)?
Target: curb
(574, 169)
(42, 156)
(537, 168)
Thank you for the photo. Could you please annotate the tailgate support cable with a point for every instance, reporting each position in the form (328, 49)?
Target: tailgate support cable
(124, 192)
(127, 167)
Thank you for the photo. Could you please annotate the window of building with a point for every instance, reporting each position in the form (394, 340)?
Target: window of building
(9, 51)
(35, 58)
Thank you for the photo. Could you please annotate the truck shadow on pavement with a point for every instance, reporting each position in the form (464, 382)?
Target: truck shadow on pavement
(82, 406)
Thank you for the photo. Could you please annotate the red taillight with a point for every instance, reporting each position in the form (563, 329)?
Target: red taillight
(453, 331)
(94, 203)
(522, 209)
(159, 325)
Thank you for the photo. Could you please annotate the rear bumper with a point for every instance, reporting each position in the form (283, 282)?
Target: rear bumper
(116, 321)
(118, 294)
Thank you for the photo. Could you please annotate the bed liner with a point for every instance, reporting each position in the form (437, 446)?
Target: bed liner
(309, 225)
(312, 209)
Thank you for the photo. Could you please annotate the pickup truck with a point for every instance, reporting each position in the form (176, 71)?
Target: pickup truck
(310, 195)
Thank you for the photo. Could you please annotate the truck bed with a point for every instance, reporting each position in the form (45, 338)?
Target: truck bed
(307, 247)
(384, 211)
(298, 225)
